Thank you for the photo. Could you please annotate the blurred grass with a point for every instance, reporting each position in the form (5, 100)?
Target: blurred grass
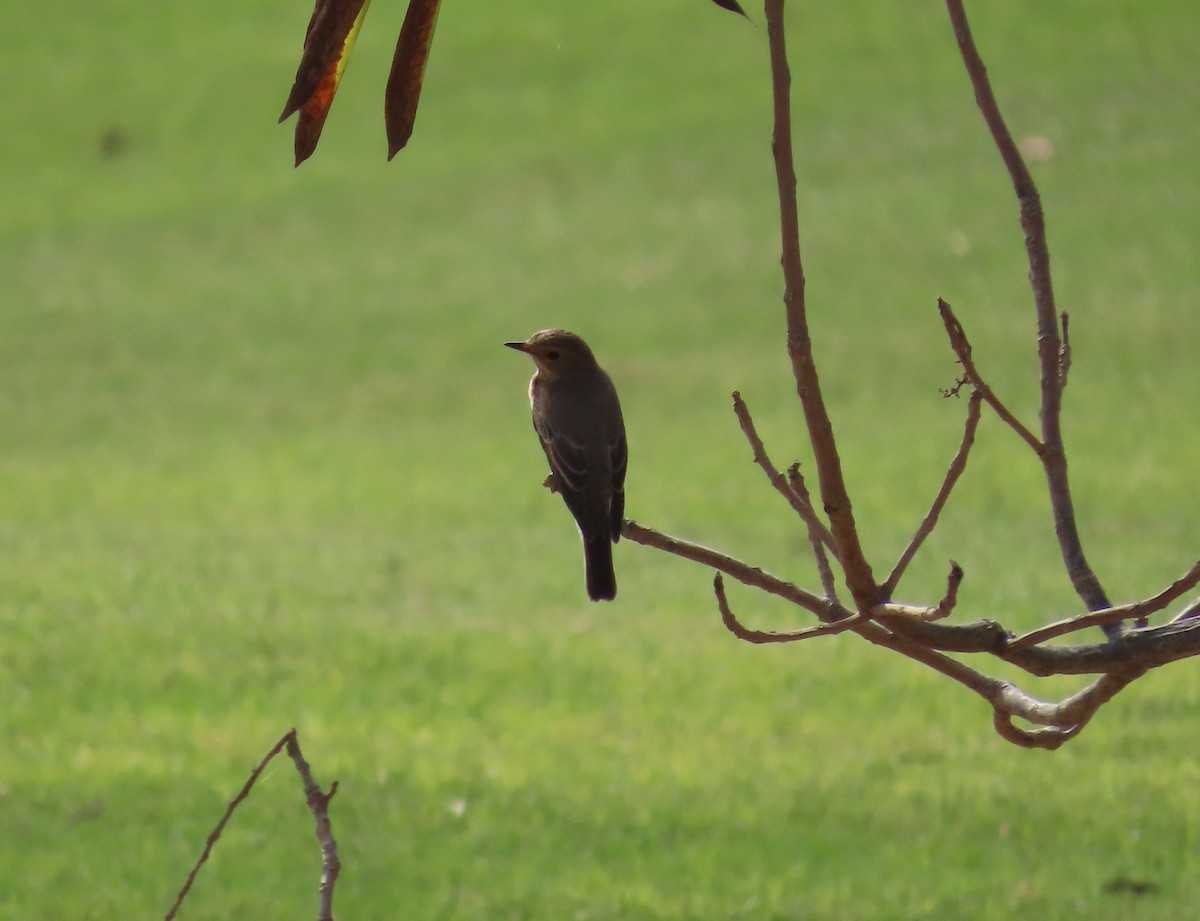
(264, 463)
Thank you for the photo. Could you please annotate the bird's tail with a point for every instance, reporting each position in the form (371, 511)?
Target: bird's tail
(598, 562)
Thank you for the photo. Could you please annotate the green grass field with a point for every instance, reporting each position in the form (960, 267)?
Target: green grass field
(263, 462)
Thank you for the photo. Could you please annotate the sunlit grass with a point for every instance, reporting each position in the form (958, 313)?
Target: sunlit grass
(263, 462)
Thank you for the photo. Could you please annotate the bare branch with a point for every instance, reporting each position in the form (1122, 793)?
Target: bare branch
(1140, 649)
(834, 498)
(759, 636)
(962, 348)
(1064, 720)
(1140, 609)
(913, 631)
(1049, 340)
(796, 481)
(318, 803)
(957, 465)
(802, 506)
(220, 827)
(940, 610)
(825, 609)
(1047, 737)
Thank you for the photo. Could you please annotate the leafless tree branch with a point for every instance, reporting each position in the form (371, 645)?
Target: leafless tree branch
(957, 465)
(925, 613)
(318, 804)
(962, 348)
(748, 575)
(801, 505)
(916, 631)
(834, 497)
(1137, 610)
(760, 636)
(824, 570)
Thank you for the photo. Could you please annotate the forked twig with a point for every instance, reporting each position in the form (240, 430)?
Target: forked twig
(957, 465)
(318, 803)
(1050, 339)
(962, 348)
(824, 570)
(802, 506)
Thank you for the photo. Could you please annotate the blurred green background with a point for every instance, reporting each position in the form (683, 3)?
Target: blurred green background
(264, 463)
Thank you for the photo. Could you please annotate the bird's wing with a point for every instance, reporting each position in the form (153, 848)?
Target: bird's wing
(619, 452)
(568, 459)
(569, 464)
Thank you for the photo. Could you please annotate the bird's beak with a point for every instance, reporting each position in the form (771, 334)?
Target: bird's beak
(519, 346)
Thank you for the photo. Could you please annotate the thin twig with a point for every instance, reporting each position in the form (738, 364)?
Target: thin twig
(802, 507)
(220, 827)
(824, 570)
(957, 465)
(825, 610)
(761, 636)
(1140, 609)
(962, 348)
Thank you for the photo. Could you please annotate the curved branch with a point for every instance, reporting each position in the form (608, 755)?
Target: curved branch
(734, 626)
(927, 613)
(1047, 737)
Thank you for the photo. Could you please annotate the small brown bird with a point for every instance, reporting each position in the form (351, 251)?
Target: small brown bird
(577, 416)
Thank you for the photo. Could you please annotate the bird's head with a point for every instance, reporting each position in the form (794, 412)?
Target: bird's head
(557, 353)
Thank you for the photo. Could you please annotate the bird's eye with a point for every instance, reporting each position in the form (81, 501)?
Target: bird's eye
(553, 356)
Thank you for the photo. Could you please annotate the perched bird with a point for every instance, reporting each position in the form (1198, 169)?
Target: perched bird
(577, 417)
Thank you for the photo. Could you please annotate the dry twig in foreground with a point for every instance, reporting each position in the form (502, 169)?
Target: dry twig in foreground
(318, 804)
